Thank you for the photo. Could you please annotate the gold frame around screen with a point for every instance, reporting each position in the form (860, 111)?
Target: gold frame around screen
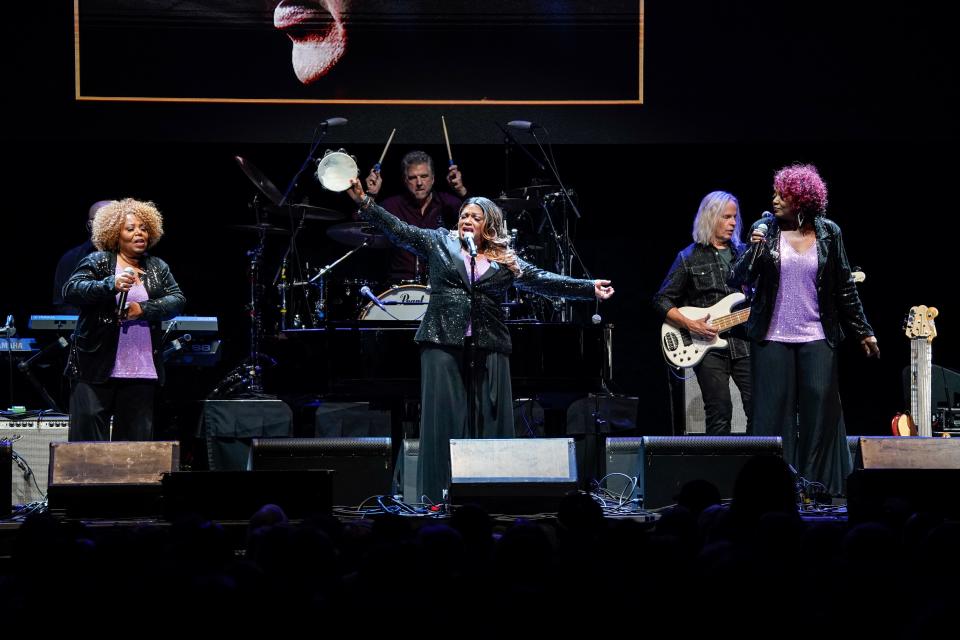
(86, 98)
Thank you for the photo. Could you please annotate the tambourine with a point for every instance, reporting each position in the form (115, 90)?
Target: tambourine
(336, 169)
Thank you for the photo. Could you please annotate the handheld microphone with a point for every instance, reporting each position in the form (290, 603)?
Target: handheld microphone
(471, 245)
(365, 290)
(333, 122)
(761, 225)
(122, 300)
(523, 125)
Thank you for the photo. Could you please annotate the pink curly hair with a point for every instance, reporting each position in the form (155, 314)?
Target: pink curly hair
(803, 188)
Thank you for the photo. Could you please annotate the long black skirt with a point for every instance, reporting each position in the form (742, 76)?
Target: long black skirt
(443, 409)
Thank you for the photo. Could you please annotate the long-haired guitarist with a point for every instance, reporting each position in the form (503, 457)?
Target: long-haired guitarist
(696, 281)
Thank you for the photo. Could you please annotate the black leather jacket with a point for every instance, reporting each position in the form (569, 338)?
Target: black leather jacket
(698, 278)
(837, 295)
(91, 287)
(447, 315)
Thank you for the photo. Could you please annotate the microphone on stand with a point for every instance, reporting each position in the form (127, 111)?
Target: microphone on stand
(471, 245)
(365, 290)
(523, 125)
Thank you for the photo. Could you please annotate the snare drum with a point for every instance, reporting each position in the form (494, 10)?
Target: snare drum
(404, 302)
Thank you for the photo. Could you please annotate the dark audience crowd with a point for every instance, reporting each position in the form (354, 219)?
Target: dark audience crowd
(751, 567)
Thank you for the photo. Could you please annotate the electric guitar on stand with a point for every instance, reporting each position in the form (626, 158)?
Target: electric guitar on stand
(683, 349)
(921, 329)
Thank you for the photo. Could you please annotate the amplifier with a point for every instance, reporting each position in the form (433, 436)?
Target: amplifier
(31, 439)
(947, 421)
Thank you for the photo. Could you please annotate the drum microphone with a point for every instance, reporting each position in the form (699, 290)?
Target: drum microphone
(365, 290)
(471, 245)
(122, 301)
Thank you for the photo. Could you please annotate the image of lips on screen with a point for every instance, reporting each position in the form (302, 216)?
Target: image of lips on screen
(318, 34)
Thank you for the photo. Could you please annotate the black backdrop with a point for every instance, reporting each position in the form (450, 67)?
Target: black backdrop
(733, 91)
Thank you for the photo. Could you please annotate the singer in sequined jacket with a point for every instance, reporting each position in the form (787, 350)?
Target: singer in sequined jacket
(448, 312)
(91, 287)
(451, 374)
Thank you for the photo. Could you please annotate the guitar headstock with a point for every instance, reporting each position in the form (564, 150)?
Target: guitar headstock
(919, 323)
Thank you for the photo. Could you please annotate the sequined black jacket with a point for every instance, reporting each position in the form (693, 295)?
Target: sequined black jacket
(91, 287)
(448, 312)
(837, 295)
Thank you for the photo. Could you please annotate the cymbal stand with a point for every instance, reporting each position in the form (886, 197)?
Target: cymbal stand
(324, 271)
(565, 248)
(280, 278)
(255, 384)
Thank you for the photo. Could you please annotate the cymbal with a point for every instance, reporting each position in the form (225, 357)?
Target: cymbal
(262, 227)
(261, 181)
(355, 233)
(309, 211)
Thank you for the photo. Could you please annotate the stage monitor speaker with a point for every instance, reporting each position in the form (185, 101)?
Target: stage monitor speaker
(31, 438)
(362, 465)
(109, 479)
(516, 475)
(663, 464)
(893, 452)
(237, 495)
(230, 426)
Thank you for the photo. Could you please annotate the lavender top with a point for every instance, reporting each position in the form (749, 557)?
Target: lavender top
(135, 349)
(482, 265)
(796, 314)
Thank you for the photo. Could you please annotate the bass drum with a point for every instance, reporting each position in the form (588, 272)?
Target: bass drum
(404, 302)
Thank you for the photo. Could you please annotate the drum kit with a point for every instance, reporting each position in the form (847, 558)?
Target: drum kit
(324, 295)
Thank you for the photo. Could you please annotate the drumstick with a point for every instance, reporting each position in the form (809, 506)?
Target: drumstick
(446, 137)
(376, 167)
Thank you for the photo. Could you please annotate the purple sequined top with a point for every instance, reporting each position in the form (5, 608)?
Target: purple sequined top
(482, 265)
(135, 349)
(796, 314)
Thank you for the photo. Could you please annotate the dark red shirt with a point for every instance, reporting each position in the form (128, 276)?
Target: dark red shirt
(440, 213)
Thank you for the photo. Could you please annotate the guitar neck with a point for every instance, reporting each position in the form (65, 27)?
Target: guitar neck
(921, 360)
(722, 323)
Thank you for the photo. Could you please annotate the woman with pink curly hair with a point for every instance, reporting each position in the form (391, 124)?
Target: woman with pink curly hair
(804, 299)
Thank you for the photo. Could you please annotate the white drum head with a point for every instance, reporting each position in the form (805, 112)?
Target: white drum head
(336, 170)
(406, 302)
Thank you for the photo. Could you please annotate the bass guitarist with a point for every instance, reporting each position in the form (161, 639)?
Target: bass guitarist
(698, 277)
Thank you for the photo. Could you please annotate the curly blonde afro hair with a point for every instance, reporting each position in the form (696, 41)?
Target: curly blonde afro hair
(110, 220)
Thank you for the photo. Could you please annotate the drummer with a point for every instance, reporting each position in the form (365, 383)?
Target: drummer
(420, 206)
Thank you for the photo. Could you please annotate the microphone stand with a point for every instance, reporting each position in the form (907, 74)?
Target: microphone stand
(318, 136)
(471, 354)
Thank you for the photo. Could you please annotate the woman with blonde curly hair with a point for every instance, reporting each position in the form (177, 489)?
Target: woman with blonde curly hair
(115, 364)
(462, 308)
(805, 298)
